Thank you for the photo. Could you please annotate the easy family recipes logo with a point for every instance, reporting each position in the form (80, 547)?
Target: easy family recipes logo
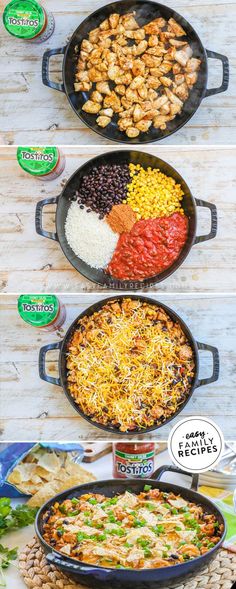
(195, 444)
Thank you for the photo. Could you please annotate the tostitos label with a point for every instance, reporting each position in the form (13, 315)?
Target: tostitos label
(39, 161)
(24, 18)
(38, 310)
(133, 465)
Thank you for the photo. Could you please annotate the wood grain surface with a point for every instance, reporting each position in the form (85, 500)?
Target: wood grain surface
(32, 409)
(32, 113)
(30, 262)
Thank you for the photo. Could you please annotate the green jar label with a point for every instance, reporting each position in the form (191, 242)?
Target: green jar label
(38, 161)
(24, 18)
(38, 310)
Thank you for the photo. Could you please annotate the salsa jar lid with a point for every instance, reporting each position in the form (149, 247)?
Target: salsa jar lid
(37, 309)
(24, 18)
(38, 161)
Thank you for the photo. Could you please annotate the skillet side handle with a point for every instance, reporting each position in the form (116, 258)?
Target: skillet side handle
(70, 567)
(216, 364)
(45, 69)
(213, 231)
(225, 77)
(39, 217)
(42, 363)
(171, 468)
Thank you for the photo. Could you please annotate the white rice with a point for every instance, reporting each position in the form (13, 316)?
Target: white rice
(90, 238)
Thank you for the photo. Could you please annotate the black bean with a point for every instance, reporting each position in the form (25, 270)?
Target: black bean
(103, 187)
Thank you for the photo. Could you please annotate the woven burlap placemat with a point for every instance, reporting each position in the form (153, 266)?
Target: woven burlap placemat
(219, 574)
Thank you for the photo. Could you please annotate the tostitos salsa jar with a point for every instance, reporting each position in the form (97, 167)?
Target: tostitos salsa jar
(45, 163)
(131, 461)
(45, 312)
(28, 20)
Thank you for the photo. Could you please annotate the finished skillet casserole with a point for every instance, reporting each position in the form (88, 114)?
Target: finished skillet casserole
(129, 365)
(151, 530)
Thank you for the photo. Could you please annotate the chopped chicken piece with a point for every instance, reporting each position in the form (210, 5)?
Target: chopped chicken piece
(105, 25)
(132, 132)
(96, 96)
(193, 65)
(112, 101)
(160, 121)
(138, 113)
(140, 48)
(137, 82)
(129, 22)
(183, 55)
(103, 87)
(138, 67)
(86, 46)
(182, 91)
(191, 78)
(103, 121)
(123, 124)
(120, 89)
(153, 28)
(176, 28)
(143, 125)
(82, 86)
(179, 79)
(91, 107)
(114, 20)
(166, 81)
(107, 112)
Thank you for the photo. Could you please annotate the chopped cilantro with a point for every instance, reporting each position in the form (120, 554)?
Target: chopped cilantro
(147, 487)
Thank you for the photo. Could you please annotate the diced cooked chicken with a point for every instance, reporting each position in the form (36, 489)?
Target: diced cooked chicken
(129, 22)
(143, 125)
(182, 91)
(91, 107)
(193, 65)
(134, 67)
(185, 352)
(114, 20)
(183, 55)
(103, 88)
(103, 121)
(106, 112)
(191, 78)
(153, 28)
(176, 28)
(96, 96)
(82, 86)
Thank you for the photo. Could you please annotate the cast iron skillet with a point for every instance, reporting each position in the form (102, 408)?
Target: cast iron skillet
(63, 347)
(145, 12)
(122, 157)
(105, 578)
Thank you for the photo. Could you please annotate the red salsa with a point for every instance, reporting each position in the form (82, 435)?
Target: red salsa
(150, 247)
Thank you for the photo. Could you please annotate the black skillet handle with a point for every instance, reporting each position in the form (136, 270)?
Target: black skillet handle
(225, 78)
(213, 210)
(45, 68)
(170, 468)
(39, 217)
(42, 363)
(74, 568)
(216, 364)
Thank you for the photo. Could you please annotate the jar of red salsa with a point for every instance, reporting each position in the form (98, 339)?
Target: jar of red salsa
(131, 461)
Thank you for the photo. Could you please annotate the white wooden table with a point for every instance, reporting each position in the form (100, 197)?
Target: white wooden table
(32, 113)
(30, 262)
(32, 409)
